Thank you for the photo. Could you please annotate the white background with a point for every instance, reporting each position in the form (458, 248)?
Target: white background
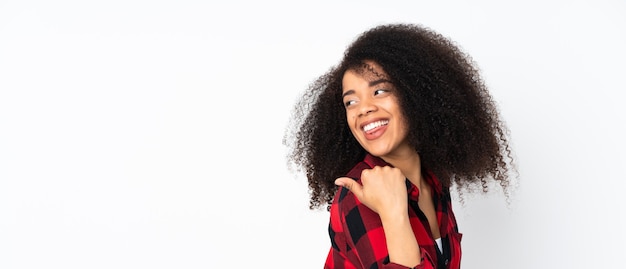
(147, 134)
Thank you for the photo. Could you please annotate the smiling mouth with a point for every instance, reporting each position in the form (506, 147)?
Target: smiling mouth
(373, 125)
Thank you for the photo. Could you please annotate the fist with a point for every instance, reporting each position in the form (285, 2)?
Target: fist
(382, 189)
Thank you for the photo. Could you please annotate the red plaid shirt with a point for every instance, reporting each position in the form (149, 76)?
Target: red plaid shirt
(357, 236)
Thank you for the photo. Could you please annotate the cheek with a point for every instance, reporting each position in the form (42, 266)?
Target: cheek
(351, 121)
(350, 116)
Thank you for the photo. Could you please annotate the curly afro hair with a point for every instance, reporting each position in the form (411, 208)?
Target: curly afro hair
(453, 121)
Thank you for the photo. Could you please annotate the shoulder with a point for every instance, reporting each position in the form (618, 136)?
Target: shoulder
(345, 204)
(344, 200)
(368, 162)
(355, 172)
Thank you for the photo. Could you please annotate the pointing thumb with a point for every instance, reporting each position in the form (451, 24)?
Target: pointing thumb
(350, 184)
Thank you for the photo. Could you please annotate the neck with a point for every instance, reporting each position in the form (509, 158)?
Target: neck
(409, 164)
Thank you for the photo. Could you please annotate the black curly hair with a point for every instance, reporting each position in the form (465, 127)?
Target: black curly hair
(453, 121)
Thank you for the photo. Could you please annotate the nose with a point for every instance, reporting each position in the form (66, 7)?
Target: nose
(367, 106)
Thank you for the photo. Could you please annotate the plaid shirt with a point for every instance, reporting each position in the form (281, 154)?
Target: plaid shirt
(357, 236)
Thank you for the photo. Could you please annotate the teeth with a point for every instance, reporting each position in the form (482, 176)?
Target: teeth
(375, 124)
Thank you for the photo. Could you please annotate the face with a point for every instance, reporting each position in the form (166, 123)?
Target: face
(373, 112)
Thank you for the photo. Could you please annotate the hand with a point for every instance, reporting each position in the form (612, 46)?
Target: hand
(383, 189)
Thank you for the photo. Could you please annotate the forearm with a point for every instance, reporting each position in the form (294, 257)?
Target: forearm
(401, 243)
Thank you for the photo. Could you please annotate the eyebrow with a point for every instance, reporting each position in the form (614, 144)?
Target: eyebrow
(371, 84)
(376, 82)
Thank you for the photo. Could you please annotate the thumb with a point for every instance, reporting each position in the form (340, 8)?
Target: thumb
(351, 185)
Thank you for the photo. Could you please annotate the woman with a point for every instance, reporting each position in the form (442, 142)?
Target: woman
(382, 138)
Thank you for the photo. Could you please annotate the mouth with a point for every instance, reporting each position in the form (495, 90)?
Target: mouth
(372, 126)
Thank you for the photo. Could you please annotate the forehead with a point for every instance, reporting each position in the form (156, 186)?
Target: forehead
(369, 70)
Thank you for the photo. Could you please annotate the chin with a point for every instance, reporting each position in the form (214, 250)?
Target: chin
(378, 153)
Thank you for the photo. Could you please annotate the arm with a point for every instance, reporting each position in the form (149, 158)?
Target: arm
(338, 255)
(401, 243)
(383, 191)
(337, 260)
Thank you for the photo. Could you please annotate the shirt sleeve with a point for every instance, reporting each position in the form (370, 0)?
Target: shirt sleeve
(337, 260)
(427, 263)
(369, 249)
(337, 256)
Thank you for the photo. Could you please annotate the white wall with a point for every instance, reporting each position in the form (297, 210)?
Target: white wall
(147, 134)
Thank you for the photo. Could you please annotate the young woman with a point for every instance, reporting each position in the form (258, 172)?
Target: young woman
(382, 138)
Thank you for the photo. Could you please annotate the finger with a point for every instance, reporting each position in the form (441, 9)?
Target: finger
(351, 185)
(345, 182)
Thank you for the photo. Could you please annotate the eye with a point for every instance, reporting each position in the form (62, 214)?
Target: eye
(380, 91)
(349, 103)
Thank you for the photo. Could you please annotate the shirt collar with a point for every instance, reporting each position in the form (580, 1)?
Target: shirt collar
(412, 190)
